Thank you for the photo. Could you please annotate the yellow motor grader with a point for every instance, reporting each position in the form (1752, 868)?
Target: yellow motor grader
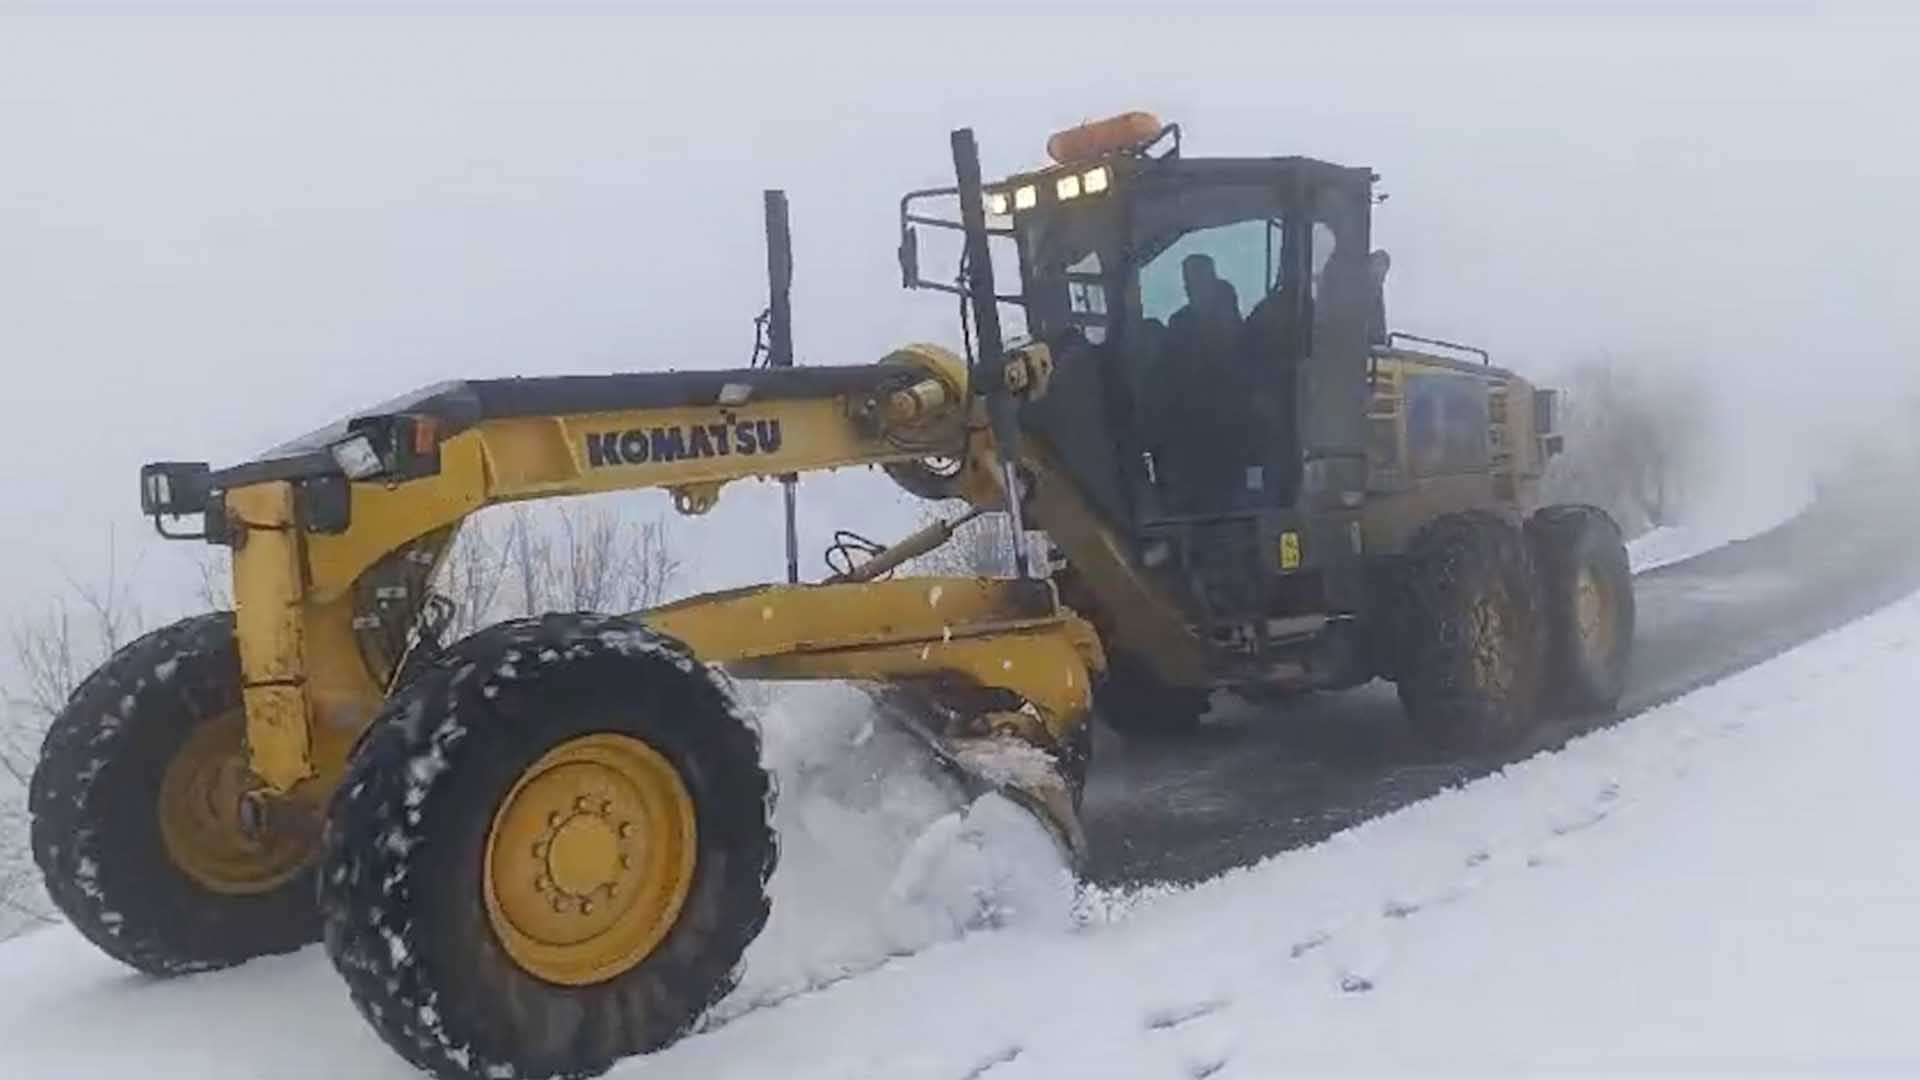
(544, 847)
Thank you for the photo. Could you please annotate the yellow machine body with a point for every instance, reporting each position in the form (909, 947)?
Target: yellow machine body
(310, 685)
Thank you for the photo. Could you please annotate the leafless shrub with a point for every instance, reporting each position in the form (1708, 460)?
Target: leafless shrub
(571, 556)
(214, 591)
(475, 572)
(51, 651)
(1633, 441)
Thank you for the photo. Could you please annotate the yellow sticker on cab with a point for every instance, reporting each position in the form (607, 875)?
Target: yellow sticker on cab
(1289, 551)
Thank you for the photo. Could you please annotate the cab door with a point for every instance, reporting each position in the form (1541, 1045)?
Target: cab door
(1211, 353)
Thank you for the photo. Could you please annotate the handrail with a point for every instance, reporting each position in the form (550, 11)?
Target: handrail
(1485, 357)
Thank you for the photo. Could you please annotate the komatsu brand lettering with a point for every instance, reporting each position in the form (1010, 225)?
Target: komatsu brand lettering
(682, 442)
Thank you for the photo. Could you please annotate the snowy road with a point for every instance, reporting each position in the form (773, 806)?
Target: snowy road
(1522, 921)
(1258, 781)
(1721, 883)
(1724, 884)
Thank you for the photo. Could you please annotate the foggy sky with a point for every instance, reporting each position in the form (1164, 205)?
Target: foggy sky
(219, 229)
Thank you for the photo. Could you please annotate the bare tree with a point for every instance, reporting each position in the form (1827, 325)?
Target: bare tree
(48, 658)
(604, 561)
(529, 554)
(576, 556)
(215, 589)
(52, 652)
(55, 649)
(475, 572)
(1633, 437)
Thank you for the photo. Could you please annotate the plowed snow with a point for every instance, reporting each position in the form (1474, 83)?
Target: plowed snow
(1722, 883)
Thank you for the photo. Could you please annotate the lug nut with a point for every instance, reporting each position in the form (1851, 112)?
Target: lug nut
(586, 907)
(543, 883)
(626, 829)
(252, 811)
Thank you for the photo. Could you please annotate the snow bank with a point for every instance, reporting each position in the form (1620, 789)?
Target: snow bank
(1730, 521)
(1740, 506)
(878, 858)
(1664, 545)
(1723, 883)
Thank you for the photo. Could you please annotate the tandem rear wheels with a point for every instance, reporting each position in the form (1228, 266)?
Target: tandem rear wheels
(1498, 626)
(1586, 599)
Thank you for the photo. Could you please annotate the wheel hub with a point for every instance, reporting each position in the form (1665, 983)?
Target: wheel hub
(589, 859)
(584, 856)
(1593, 613)
(212, 830)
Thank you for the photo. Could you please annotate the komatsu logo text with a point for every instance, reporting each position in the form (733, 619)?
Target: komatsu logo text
(680, 442)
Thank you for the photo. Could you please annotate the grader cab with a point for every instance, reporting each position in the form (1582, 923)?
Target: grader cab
(544, 847)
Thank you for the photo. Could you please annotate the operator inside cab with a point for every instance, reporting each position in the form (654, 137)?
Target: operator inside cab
(1195, 395)
(1209, 323)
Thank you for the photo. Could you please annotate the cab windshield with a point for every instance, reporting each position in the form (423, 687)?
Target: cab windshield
(1184, 293)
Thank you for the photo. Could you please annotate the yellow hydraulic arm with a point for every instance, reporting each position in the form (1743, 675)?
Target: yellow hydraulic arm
(326, 565)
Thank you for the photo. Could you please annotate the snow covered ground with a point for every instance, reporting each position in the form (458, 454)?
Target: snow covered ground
(1729, 521)
(1723, 883)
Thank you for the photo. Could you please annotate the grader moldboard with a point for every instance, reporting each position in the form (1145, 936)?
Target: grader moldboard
(544, 847)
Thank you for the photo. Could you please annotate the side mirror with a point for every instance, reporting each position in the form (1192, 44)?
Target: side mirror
(175, 488)
(909, 257)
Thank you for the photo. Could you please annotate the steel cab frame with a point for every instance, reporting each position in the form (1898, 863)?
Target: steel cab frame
(1090, 236)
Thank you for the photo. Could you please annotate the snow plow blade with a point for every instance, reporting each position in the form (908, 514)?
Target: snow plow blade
(992, 674)
(1030, 775)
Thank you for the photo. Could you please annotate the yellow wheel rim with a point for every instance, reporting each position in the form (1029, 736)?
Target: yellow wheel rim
(1593, 614)
(199, 815)
(589, 859)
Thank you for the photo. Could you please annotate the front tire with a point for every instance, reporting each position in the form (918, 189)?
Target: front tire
(1469, 640)
(550, 853)
(1586, 596)
(135, 807)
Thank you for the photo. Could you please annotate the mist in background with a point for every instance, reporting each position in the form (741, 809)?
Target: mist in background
(222, 227)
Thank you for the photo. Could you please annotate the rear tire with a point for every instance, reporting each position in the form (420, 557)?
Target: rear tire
(135, 813)
(1137, 703)
(1586, 597)
(1469, 640)
(448, 952)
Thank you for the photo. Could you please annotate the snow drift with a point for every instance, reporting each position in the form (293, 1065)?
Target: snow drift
(1721, 883)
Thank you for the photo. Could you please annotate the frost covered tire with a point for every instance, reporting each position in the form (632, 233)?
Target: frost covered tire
(1135, 702)
(1468, 634)
(1586, 599)
(126, 805)
(631, 775)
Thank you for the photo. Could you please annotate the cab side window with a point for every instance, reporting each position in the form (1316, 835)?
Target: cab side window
(1199, 393)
